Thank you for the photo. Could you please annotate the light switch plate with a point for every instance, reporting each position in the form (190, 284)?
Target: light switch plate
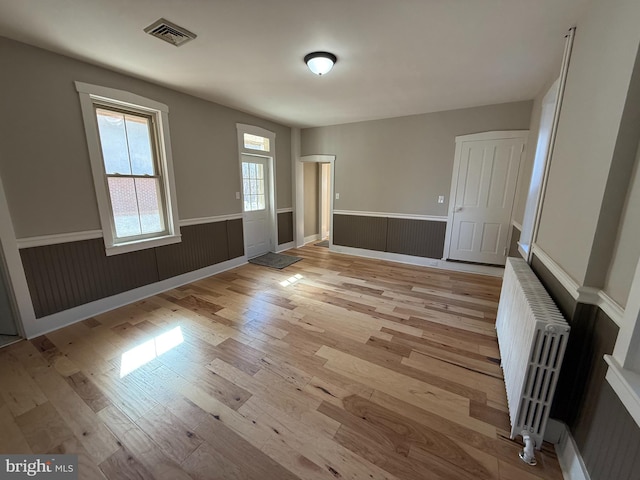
(237, 195)
(337, 196)
(440, 198)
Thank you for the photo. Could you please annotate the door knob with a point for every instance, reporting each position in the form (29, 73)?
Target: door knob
(458, 209)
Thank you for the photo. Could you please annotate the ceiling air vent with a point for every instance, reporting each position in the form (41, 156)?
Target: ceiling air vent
(170, 32)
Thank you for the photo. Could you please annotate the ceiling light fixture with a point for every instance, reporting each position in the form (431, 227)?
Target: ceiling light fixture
(320, 63)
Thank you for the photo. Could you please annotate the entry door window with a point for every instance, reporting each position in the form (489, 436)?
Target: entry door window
(253, 186)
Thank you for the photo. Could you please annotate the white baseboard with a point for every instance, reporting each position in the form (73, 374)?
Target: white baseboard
(285, 246)
(312, 238)
(571, 463)
(421, 261)
(58, 320)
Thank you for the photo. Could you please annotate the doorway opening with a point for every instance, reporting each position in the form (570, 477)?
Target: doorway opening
(8, 319)
(324, 200)
(315, 193)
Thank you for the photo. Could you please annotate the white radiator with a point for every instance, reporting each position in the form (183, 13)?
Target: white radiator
(532, 335)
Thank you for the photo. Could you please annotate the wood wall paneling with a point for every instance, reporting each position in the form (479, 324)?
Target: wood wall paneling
(235, 238)
(360, 232)
(285, 227)
(513, 244)
(611, 448)
(201, 246)
(66, 275)
(422, 238)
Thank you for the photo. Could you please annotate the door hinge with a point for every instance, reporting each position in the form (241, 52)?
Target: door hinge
(505, 251)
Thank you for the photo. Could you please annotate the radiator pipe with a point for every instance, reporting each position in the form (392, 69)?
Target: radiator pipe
(527, 455)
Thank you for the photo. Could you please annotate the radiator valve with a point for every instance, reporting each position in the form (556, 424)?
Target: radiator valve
(527, 455)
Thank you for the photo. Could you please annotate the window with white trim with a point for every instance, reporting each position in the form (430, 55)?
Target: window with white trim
(130, 153)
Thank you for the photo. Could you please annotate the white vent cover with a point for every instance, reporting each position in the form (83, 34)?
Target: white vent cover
(170, 32)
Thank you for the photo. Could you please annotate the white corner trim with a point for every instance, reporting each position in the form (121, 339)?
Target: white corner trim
(612, 308)
(626, 384)
(517, 225)
(58, 320)
(582, 294)
(217, 218)
(285, 246)
(42, 240)
(571, 462)
(318, 158)
(285, 210)
(408, 216)
(311, 238)
(495, 135)
(420, 261)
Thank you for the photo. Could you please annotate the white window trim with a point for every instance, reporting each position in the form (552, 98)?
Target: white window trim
(89, 94)
(260, 132)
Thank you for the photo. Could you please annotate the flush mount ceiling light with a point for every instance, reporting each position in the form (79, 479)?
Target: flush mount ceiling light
(320, 62)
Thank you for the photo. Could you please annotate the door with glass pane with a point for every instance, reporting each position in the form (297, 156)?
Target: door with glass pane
(255, 205)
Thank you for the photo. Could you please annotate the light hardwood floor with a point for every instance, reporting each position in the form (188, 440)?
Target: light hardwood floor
(336, 367)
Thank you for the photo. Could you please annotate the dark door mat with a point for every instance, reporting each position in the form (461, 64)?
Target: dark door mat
(275, 260)
(324, 243)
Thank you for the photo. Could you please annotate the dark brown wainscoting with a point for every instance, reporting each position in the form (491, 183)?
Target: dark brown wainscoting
(66, 275)
(513, 244)
(421, 238)
(605, 433)
(285, 227)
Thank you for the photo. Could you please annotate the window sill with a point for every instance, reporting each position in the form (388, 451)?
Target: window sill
(626, 384)
(142, 244)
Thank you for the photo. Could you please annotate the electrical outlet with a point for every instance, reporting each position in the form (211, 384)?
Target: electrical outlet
(237, 195)
(440, 198)
(337, 196)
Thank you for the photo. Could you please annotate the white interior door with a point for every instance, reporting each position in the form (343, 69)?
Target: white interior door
(256, 205)
(485, 190)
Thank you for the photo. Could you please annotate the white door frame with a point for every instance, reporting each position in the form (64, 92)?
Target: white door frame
(270, 157)
(18, 287)
(331, 159)
(474, 137)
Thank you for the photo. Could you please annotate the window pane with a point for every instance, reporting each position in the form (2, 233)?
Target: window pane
(260, 170)
(245, 169)
(149, 205)
(256, 142)
(261, 205)
(125, 207)
(139, 141)
(113, 140)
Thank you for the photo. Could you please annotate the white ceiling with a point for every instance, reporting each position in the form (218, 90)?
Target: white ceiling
(395, 57)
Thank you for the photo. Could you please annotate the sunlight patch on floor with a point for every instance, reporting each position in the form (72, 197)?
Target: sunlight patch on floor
(291, 280)
(149, 350)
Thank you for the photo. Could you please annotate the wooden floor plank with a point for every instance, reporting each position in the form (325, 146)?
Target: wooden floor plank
(360, 368)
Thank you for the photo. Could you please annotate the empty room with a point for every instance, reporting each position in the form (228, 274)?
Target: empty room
(352, 239)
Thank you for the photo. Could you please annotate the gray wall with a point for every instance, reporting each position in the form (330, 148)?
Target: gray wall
(43, 154)
(401, 165)
(311, 198)
(580, 212)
